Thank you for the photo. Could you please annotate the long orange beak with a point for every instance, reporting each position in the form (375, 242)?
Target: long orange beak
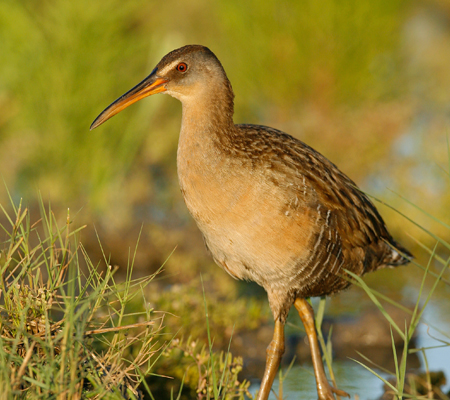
(150, 85)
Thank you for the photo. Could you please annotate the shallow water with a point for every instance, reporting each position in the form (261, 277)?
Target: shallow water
(437, 314)
(353, 378)
(359, 382)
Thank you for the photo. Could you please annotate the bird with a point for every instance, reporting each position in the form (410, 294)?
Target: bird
(271, 209)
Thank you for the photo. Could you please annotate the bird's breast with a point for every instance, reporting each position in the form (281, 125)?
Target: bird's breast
(238, 211)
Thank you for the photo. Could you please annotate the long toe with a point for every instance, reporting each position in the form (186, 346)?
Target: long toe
(339, 392)
(327, 392)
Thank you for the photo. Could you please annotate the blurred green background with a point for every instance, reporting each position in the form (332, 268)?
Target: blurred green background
(365, 83)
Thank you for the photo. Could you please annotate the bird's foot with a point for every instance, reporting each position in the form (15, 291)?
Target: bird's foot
(327, 392)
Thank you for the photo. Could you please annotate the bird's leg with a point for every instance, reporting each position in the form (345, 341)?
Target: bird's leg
(274, 353)
(324, 389)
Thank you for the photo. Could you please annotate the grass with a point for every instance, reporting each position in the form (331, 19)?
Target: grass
(70, 330)
(225, 387)
(66, 331)
(399, 388)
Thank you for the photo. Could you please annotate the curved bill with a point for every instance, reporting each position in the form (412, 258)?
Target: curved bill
(150, 85)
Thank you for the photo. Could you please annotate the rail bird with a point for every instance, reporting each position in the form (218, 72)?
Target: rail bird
(271, 209)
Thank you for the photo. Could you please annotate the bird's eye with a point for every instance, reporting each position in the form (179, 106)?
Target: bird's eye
(182, 67)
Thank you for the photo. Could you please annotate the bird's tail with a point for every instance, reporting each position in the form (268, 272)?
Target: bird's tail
(398, 255)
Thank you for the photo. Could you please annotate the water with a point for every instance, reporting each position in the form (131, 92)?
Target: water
(362, 384)
(351, 377)
(438, 315)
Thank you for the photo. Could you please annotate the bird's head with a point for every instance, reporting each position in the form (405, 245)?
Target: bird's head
(185, 73)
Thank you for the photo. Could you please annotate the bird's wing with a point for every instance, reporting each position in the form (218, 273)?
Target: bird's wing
(339, 205)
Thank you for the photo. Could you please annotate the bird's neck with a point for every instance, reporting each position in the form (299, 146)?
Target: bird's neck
(208, 117)
(206, 131)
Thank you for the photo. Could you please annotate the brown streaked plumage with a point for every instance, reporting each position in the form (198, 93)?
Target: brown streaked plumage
(271, 209)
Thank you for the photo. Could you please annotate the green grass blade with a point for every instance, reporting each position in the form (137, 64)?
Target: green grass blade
(402, 369)
(386, 371)
(416, 319)
(211, 353)
(394, 353)
(222, 378)
(376, 302)
(439, 239)
(376, 374)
